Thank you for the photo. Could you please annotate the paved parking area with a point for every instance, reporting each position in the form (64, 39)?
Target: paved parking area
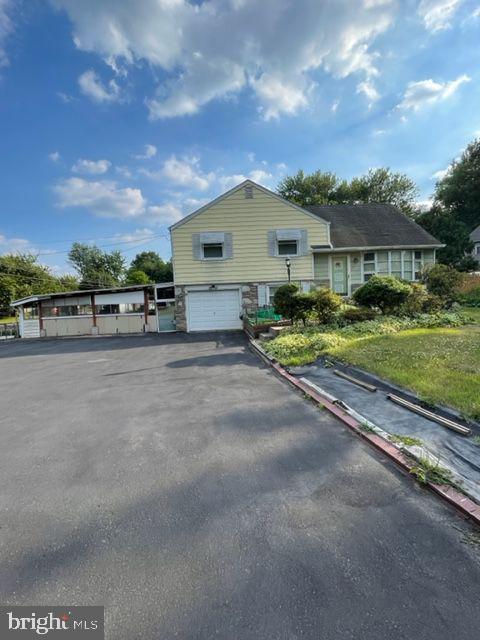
(178, 482)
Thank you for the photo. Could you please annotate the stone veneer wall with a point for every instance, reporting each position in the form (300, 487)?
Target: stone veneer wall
(180, 309)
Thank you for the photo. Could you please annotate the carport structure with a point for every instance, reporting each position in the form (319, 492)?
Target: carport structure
(122, 310)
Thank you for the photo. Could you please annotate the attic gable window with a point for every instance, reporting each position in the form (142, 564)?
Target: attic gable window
(248, 190)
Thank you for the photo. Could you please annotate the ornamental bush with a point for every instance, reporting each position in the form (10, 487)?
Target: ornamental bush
(442, 280)
(358, 314)
(385, 292)
(291, 303)
(324, 304)
(420, 301)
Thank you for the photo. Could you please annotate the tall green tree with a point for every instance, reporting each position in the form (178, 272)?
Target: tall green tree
(459, 189)
(446, 227)
(95, 267)
(385, 186)
(22, 275)
(377, 185)
(153, 265)
(310, 189)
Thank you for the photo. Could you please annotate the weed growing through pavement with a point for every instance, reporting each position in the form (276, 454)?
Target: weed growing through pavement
(427, 471)
(408, 441)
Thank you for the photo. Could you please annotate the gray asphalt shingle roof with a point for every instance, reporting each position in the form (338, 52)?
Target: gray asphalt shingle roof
(371, 225)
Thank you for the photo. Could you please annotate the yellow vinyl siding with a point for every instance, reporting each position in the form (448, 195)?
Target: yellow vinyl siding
(248, 220)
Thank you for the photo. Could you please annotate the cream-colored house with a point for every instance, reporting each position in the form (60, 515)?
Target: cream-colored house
(231, 255)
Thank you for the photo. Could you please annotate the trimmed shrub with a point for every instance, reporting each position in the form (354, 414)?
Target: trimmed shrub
(358, 314)
(324, 304)
(442, 280)
(385, 292)
(283, 300)
(291, 303)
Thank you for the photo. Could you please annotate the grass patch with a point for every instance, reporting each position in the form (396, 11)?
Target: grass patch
(408, 441)
(476, 440)
(435, 356)
(9, 320)
(427, 471)
(441, 365)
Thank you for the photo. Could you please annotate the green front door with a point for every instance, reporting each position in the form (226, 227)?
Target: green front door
(340, 284)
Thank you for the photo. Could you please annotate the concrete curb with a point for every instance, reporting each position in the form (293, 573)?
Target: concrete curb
(454, 497)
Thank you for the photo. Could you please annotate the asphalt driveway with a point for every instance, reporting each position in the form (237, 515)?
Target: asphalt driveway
(178, 482)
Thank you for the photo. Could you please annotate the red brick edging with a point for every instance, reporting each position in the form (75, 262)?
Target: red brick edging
(461, 502)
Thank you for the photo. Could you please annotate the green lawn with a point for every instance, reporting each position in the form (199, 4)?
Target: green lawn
(441, 365)
(7, 320)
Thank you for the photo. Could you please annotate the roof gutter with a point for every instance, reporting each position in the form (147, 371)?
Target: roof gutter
(323, 249)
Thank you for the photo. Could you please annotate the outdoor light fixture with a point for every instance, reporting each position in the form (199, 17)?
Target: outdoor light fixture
(287, 264)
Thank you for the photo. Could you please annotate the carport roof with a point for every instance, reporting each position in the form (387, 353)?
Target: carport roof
(82, 292)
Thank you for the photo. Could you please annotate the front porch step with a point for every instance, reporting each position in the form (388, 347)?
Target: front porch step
(265, 336)
(275, 331)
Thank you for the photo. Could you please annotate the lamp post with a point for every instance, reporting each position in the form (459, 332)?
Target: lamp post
(287, 264)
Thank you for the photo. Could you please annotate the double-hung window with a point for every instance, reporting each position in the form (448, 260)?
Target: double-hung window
(287, 247)
(369, 265)
(212, 245)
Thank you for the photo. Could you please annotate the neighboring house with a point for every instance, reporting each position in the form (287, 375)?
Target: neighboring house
(475, 238)
(230, 256)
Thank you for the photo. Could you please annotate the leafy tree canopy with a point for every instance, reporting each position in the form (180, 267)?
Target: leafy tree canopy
(137, 276)
(22, 275)
(377, 185)
(95, 267)
(154, 266)
(459, 189)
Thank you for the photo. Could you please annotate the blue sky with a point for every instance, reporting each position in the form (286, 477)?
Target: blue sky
(118, 117)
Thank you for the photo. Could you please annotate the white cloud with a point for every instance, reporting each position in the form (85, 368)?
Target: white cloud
(150, 150)
(334, 106)
(14, 245)
(436, 14)
(428, 92)
(93, 88)
(186, 173)
(65, 97)
(368, 89)
(251, 156)
(54, 156)
(379, 132)
(123, 171)
(6, 28)
(278, 96)
(167, 213)
(92, 167)
(272, 51)
(103, 198)
(438, 175)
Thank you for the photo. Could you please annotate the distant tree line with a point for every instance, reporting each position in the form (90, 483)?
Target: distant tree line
(23, 275)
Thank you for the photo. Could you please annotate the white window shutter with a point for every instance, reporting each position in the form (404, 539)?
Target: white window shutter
(196, 246)
(228, 246)
(272, 243)
(262, 295)
(303, 243)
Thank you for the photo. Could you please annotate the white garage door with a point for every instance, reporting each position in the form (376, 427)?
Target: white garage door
(210, 310)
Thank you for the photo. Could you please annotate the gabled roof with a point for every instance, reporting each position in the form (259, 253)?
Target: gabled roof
(243, 184)
(372, 225)
(475, 235)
